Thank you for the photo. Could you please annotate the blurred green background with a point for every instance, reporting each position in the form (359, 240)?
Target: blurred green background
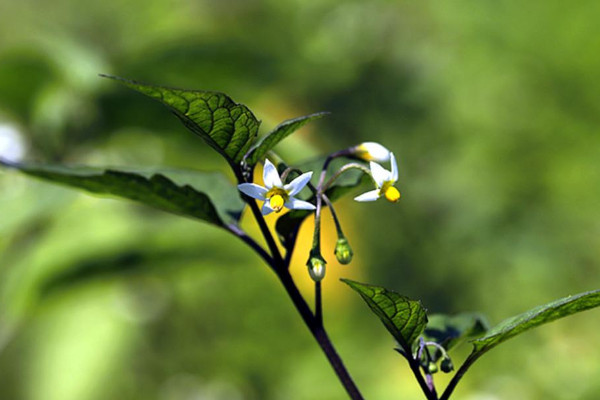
(492, 109)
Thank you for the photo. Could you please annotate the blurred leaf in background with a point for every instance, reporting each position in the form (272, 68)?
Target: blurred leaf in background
(491, 109)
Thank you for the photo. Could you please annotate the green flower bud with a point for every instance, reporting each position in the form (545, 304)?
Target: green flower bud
(316, 267)
(447, 365)
(343, 251)
(432, 368)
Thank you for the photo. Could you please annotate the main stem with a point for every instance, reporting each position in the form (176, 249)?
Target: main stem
(315, 326)
(320, 335)
(413, 363)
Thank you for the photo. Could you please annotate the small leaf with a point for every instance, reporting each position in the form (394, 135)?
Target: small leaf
(449, 330)
(537, 316)
(283, 130)
(176, 191)
(405, 319)
(228, 127)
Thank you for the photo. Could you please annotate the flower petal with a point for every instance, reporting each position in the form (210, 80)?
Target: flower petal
(271, 176)
(295, 186)
(394, 172)
(253, 190)
(295, 204)
(372, 151)
(380, 174)
(266, 208)
(368, 196)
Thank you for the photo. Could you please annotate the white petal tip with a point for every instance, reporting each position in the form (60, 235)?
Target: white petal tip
(368, 196)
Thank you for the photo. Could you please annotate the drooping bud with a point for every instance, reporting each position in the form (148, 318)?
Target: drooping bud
(316, 267)
(446, 365)
(343, 251)
(372, 151)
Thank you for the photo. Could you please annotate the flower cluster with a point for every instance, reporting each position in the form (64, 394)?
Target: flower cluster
(277, 195)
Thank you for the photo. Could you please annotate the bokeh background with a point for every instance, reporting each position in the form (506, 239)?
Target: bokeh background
(492, 109)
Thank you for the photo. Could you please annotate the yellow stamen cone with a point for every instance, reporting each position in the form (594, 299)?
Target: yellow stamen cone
(392, 194)
(276, 202)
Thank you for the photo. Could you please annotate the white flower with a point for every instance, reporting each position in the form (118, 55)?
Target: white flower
(384, 180)
(275, 194)
(371, 151)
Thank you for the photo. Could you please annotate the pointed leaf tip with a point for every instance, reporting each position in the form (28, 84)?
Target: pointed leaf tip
(228, 127)
(283, 130)
(405, 319)
(535, 317)
(175, 191)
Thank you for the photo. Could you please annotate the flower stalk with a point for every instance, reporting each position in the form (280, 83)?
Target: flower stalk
(313, 321)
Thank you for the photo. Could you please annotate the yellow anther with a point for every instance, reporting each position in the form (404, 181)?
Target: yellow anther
(392, 194)
(276, 202)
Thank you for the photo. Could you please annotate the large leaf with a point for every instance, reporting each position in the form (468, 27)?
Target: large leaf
(520, 323)
(228, 127)
(176, 191)
(405, 319)
(536, 317)
(283, 130)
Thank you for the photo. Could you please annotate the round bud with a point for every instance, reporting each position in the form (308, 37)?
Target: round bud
(446, 365)
(316, 268)
(343, 251)
(432, 368)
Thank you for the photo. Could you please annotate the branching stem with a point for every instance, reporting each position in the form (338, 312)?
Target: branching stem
(312, 321)
(459, 374)
(345, 168)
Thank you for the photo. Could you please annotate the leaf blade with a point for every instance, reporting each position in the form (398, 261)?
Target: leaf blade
(405, 319)
(535, 317)
(228, 127)
(175, 191)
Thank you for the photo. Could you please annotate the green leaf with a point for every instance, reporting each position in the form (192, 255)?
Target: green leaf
(449, 330)
(228, 127)
(176, 191)
(520, 323)
(535, 317)
(405, 319)
(283, 130)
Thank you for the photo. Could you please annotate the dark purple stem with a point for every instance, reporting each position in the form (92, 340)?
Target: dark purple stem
(314, 324)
